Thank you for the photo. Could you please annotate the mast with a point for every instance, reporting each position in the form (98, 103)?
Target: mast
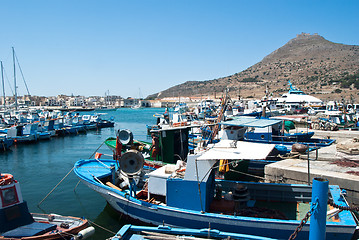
(3, 85)
(13, 58)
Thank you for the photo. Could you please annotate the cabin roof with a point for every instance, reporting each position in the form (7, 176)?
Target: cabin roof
(251, 122)
(237, 150)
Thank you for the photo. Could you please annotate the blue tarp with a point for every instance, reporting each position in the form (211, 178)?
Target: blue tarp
(251, 122)
(32, 229)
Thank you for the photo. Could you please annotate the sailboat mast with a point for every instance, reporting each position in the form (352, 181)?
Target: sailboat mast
(3, 85)
(13, 58)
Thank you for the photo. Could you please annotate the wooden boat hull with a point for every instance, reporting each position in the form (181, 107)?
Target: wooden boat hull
(16, 222)
(60, 232)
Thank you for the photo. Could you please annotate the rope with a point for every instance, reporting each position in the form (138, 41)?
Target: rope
(199, 187)
(55, 186)
(65, 177)
(247, 174)
(97, 149)
(102, 163)
(103, 228)
(23, 78)
(65, 234)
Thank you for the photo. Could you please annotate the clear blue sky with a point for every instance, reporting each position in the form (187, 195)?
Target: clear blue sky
(86, 47)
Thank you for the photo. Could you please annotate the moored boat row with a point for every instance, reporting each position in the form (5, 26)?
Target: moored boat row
(43, 126)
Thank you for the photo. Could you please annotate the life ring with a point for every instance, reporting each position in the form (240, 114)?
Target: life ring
(6, 179)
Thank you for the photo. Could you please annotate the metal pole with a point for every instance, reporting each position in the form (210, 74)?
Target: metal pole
(308, 160)
(319, 215)
(3, 85)
(13, 57)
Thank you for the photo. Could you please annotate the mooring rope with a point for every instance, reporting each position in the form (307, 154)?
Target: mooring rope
(66, 177)
(97, 225)
(55, 186)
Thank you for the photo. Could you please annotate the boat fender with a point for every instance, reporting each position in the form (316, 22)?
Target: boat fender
(83, 234)
(300, 148)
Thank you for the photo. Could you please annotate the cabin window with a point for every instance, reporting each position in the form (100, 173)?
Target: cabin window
(9, 196)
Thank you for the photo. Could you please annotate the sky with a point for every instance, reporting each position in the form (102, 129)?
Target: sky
(136, 48)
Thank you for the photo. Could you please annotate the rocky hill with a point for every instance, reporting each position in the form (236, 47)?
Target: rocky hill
(315, 65)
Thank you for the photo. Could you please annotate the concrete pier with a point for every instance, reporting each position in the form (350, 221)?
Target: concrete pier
(296, 171)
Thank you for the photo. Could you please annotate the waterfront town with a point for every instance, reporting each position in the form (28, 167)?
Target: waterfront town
(93, 102)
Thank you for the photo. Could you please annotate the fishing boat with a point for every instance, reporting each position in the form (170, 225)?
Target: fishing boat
(95, 121)
(132, 232)
(173, 145)
(5, 143)
(16, 222)
(263, 130)
(124, 142)
(142, 146)
(23, 133)
(295, 99)
(192, 197)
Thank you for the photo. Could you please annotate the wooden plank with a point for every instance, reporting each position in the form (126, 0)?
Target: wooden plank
(113, 186)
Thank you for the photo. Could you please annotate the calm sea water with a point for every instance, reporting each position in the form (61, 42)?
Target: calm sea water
(39, 167)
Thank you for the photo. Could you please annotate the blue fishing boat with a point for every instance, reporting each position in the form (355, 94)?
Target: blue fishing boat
(263, 130)
(63, 128)
(23, 133)
(132, 232)
(5, 143)
(95, 121)
(46, 129)
(192, 197)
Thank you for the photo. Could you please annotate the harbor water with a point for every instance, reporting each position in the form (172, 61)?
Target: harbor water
(40, 166)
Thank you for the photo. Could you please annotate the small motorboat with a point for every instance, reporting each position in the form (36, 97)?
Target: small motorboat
(16, 222)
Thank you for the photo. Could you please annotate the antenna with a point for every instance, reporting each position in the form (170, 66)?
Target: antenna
(18, 64)
(3, 85)
(13, 58)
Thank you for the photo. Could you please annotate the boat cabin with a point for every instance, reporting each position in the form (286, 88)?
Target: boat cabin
(15, 218)
(195, 188)
(251, 128)
(173, 143)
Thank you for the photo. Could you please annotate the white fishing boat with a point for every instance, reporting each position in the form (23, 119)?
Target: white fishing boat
(296, 99)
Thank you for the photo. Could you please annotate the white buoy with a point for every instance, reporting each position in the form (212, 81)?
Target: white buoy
(83, 234)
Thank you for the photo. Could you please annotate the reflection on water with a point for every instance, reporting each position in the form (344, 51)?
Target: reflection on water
(40, 166)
